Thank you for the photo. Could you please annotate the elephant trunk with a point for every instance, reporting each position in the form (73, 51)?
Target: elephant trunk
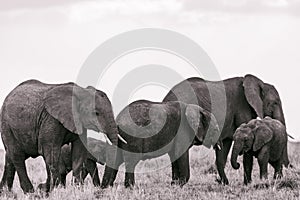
(278, 114)
(237, 148)
(111, 149)
(111, 129)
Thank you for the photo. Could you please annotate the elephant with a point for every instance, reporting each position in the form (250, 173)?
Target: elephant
(153, 129)
(245, 97)
(38, 118)
(265, 139)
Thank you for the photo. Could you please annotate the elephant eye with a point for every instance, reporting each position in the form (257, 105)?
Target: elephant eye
(97, 114)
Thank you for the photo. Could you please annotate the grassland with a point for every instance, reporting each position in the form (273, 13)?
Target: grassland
(155, 182)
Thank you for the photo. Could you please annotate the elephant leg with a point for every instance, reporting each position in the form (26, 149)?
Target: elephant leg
(184, 168)
(63, 178)
(262, 159)
(8, 174)
(248, 164)
(175, 172)
(110, 174)
(51, 157)
(221, 158)
(79, 155)
(18, 160)
(108, 177)
(129, 171)
(4, 178)
(277, 169)
(91, 167)
(15, 161)
(175, 169)
(84, 173)
(113, 177)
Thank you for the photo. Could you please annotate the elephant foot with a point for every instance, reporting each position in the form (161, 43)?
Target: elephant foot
(27, 188)
(264, 177)
(28, 191)
(38, 195)
(223, 181)
(128, 185)
(44, 187)
(175, 181)
(77, 181)
(99, 194)
(246, 182)
(277, 176)
(129, 180)
(105, 183)
(103, 186)
(180, 182)
(262, 186)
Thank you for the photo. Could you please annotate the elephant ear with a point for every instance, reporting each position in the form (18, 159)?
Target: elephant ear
(194, 117)
(211, 130)
(239, 131)
(62, 103)
(0, 120)
(262, 135)
(253, 90)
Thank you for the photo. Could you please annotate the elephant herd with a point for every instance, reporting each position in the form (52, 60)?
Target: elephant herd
(51, 120)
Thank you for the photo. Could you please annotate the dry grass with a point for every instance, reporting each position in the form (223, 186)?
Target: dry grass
(156, 183)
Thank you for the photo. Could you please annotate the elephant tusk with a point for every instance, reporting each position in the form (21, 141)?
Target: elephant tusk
(218, 146)
(107, 140)
(258, 118)
(122, 139)
(291, 136)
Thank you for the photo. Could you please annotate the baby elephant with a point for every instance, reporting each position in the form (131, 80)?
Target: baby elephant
(265, 139)
(153, 129)
(95, 148)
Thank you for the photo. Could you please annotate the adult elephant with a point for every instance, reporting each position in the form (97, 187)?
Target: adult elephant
(246, 98)
(153, 129)
(38, 118)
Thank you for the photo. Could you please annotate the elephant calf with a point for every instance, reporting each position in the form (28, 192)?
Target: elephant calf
(95, 148)
(265, 139)
(153, 129)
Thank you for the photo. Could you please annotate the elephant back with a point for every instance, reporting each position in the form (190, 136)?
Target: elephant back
(144, 123)
(23, 101)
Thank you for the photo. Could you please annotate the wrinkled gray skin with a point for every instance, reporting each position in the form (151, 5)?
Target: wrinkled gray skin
(246, 98)
(265, 139)
(37, 119)
(95, 148)
(181, 126)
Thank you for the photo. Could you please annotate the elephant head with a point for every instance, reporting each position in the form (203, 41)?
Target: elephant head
(79, 109)
(252, 136)
(204, 125)
(263, 98)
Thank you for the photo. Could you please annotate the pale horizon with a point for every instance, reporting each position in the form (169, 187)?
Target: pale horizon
(50, 41)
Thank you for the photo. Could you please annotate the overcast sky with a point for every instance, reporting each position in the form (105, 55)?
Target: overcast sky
(49, 40)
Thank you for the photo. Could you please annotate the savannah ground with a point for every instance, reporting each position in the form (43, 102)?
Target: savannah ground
(156, 183)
